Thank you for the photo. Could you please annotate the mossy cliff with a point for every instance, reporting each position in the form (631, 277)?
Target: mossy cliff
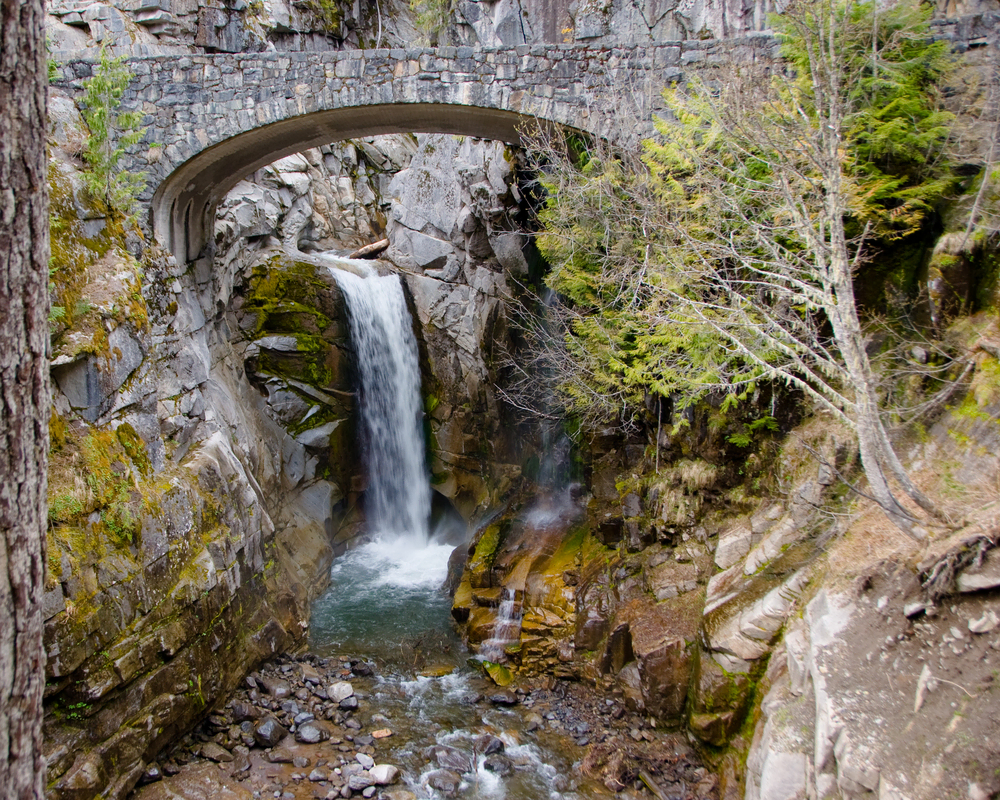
(201, 461)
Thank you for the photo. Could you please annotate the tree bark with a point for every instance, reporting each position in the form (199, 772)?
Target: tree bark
(25, 404)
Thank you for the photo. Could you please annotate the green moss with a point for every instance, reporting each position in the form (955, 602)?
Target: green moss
(486, 549)
(284, 295)
(134, 447)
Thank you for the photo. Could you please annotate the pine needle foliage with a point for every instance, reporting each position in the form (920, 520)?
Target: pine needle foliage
(727, 256)
(895, 130)
(111, 135)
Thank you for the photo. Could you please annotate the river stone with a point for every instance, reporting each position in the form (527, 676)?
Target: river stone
(365, 760)
(451, 758)
(281, 755)
(499, 763)
(487, 744)
(214, 752)
(268, 732)
(317, 775)
(339, 691)
(384, 774)
(241, 762)
(445, 781)
(349, 703)
(360, 781)
(278, 688)
(503, 697)
(151, 774)
(309, 674)
(310, 733)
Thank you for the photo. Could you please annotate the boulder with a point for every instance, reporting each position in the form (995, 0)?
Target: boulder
(268, 732)
(384, 774)
(444, 781)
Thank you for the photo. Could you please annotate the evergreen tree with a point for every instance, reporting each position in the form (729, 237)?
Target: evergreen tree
(729, 257)
(111, 134)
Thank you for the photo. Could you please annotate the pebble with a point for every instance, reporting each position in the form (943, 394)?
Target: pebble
(986, 623)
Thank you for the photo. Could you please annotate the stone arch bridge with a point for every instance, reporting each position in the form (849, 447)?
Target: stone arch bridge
(213, 119)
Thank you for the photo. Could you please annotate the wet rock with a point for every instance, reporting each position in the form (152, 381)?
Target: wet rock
(381, 733)
(310, 675)
(278, 688)
(214, 752)
(241, 761)
(365, 760)
(503, 697)
(450, 758)
(487, 744)
(340, 691)
(444, 781)
(500, 764)
(349, 703)
(360, 782)
(281, 755)
(384, 774)
(311, 733)
(151, 774)
(317, 775)
(268, 732)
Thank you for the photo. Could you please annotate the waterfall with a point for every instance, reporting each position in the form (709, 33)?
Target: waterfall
(507, 628)
(398, 500)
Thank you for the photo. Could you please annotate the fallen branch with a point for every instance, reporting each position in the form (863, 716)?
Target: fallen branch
(370, 250)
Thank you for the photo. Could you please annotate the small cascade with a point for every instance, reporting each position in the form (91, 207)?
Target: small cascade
(398, 501)
(507, 629)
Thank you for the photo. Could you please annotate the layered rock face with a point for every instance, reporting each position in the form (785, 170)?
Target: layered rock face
(453, 233)
(202, 462)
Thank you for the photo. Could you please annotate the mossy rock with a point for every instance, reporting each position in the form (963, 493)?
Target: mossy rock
(483, 557)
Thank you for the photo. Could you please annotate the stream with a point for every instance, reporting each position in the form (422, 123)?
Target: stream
(387, 702)
(384, 603)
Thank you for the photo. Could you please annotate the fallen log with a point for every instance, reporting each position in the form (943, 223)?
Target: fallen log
(370, 250)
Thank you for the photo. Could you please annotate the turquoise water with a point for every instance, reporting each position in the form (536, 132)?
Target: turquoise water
(384, 602)
(384, 605)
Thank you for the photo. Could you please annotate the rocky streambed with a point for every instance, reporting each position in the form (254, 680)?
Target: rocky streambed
(413, 716)
(311, 726)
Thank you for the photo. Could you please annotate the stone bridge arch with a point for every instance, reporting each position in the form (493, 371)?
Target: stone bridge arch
(213, 119)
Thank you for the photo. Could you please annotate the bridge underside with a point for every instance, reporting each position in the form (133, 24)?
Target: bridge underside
(184, 206)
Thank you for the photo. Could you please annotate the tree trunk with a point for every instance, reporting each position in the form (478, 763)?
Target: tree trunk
(24, 393)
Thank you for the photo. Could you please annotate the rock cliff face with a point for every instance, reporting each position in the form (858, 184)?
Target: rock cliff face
(202, 464)
(204, 471)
